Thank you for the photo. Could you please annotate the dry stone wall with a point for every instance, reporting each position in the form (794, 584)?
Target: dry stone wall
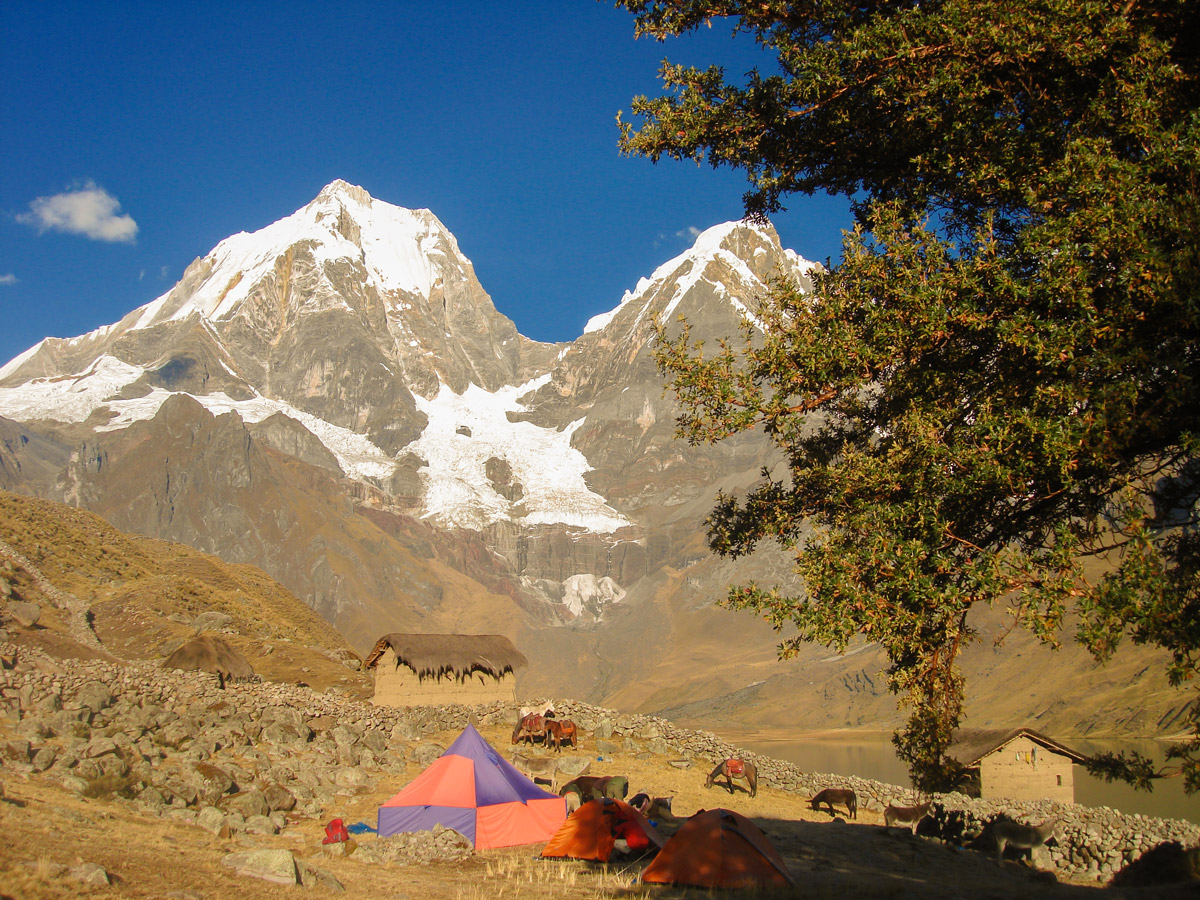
(251, 757)
(1092, 843)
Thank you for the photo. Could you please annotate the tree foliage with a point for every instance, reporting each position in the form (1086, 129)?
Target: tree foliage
(993, 396)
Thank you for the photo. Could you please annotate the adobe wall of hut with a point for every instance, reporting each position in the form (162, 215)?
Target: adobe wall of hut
(1024, 770)
(398, 685)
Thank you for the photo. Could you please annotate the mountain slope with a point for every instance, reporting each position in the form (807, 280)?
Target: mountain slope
(335, 399)
(143, 596)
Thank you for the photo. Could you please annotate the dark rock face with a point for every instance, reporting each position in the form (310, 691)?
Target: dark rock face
(28, 459)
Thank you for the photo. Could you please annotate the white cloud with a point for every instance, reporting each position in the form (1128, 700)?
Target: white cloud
(691, 233)
(10, 278)
(89, 210)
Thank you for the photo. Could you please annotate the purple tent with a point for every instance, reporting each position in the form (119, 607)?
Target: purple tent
(471, 789)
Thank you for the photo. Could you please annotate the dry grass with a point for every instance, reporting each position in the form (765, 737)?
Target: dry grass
(50, 830)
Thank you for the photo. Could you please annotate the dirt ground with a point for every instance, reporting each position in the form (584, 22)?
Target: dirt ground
(46, 829)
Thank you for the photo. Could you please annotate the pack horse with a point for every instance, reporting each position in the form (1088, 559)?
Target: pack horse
(529, 727)
(735, 767)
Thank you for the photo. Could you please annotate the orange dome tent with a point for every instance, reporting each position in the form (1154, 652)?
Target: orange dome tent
(718, 848)
(591, 832)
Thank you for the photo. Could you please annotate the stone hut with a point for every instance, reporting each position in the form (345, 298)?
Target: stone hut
(438, 669)
(1018, 764)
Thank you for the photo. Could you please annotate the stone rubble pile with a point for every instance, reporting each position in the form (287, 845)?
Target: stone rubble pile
(1093, 843)
(417, 848)
(250, 757)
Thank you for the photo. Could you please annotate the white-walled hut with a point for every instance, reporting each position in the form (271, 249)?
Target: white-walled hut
(1017, 763)
(437, 669)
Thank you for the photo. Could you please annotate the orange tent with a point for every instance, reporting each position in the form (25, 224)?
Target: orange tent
(718, 848)
(591, 832)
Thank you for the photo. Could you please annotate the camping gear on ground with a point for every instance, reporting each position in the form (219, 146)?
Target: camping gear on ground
(596, 787)
(482, 796)
(335, 832)
(597, 828)
(718, 848)
(360, 828)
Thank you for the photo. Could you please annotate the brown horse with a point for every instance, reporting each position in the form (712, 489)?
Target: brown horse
(529, 727)
(843, 796)
(559, 732)
(729, 769)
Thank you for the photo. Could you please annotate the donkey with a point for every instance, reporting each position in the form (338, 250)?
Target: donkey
(1023, 837)
(535, 767)
(732, 768)
(842, 796)
(908, 816)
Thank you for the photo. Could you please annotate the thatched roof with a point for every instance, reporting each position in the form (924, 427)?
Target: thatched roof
(972, 745)
(209, 653)
(454, 654)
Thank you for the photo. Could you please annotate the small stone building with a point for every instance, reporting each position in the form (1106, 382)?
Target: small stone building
(1018, 764)
(438, 669)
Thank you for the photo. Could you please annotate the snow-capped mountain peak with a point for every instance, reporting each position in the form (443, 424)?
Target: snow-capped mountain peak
(403, 252)
(362, 325)
(741, 247)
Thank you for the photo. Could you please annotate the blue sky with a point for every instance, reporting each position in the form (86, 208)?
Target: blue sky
(141, 134)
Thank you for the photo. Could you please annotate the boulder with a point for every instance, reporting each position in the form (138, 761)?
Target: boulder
(248, 803)
(279, 798)
(26, 614)
(261, 825)
(311, 876)
(277, 866)
(426, 753)
(90, 874)
(211, 783)
(212, 621)
(573, 766)
(211, 819)
(94, 696)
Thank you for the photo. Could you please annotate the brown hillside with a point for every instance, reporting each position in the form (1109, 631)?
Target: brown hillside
(144, 597)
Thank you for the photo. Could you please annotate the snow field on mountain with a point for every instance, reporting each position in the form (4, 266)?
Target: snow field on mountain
(73, 398)
(68, 398)
(458, 491)
(549, 470)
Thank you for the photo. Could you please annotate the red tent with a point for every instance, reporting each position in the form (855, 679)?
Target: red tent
(591, 832)
(718, 848)
(473, 790)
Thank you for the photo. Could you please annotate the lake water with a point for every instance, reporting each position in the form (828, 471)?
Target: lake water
(874, 757)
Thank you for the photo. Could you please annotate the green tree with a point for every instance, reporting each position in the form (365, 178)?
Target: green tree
(993, 397)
